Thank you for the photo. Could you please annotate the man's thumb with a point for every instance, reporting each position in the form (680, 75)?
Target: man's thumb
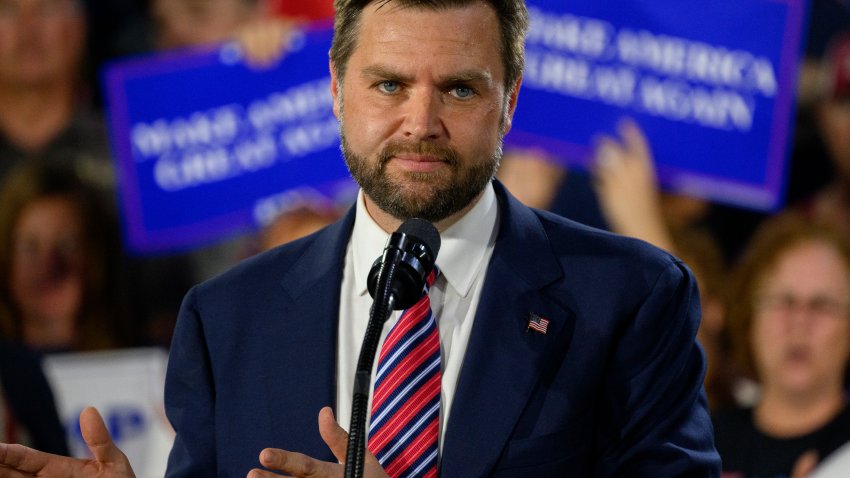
(97, 437)
(333, 435)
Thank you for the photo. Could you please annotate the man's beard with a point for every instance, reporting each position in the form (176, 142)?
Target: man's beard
(432, 196)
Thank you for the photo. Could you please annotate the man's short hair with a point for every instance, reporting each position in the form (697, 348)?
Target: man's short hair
(513, 25)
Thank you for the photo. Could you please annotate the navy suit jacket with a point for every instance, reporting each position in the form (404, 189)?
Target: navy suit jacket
(614, 388)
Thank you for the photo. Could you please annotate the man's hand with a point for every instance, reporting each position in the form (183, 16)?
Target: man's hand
(17, 461)
(302, 466)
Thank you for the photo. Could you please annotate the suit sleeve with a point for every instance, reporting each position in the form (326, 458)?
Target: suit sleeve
(657, 421)
(190, 396)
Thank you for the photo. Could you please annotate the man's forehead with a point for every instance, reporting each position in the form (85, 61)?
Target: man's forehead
(472, 26)
(463, 40)
(442, 7)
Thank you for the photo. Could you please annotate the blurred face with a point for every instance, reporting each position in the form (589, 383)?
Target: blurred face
(423, 108)
(293, 225)
(834, 124)
(801, 324)
(184, 23)
(40, 41)
(48, 261)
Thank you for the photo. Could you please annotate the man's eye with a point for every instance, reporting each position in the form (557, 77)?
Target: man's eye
(462, 92)
(388, 86)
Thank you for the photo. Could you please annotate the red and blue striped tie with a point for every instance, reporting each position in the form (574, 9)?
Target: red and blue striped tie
(405, 420)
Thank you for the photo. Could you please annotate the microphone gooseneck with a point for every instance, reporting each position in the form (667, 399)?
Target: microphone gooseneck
(395, 282)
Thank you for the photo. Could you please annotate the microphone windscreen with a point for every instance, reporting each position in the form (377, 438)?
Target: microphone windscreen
(424, 231)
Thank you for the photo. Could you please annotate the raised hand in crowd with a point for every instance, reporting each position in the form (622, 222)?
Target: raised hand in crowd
(627, 188)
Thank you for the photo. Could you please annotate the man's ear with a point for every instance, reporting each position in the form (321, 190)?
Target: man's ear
(335, 86)
(512, 102)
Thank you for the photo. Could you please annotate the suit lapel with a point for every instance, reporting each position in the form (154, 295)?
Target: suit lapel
(301, 364)
(504, 359)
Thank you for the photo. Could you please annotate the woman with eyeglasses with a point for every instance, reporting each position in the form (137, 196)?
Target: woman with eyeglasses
(789, 325)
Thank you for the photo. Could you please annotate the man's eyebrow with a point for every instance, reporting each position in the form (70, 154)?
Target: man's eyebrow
(380, 71)
(467, 76)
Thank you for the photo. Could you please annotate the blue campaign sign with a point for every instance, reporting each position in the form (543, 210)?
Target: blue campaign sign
(711, 83)
(208, 146)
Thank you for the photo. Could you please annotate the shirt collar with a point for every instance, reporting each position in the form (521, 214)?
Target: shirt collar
(462, 249)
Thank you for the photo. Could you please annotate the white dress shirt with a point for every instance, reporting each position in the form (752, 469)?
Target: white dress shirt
(464, 254)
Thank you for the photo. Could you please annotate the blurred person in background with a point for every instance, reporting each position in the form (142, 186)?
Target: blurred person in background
(43, 109)
(832, 112)
(699, 251)
(789, 321)
(27, 408)
(60, 262)
(295, 224)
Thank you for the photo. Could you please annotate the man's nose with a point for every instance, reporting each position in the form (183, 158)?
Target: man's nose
(423, 116)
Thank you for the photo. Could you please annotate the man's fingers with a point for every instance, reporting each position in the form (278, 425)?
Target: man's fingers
(10, 473)
(296, 464)
(258, 473)
(334, 436)
(18, 461)
(22, 459)
(97, 437)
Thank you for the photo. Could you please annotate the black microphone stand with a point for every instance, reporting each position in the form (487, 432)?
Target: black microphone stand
(395, 281)
(382, 307)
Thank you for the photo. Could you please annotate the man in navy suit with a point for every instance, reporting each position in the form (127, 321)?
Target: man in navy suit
(566, 351)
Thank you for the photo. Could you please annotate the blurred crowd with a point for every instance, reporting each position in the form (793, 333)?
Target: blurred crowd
(775, 287)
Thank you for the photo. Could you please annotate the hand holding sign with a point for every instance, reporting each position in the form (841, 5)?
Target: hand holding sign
(17, 461)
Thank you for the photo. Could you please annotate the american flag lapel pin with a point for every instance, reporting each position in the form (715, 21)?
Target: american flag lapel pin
(537, 323)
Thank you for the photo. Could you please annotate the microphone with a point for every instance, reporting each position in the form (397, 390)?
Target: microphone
(395, 281)
(411, 251)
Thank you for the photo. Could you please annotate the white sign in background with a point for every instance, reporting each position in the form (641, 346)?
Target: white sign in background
(126, 386)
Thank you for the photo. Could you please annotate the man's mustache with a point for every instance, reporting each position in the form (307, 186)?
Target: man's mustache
(421, 148)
